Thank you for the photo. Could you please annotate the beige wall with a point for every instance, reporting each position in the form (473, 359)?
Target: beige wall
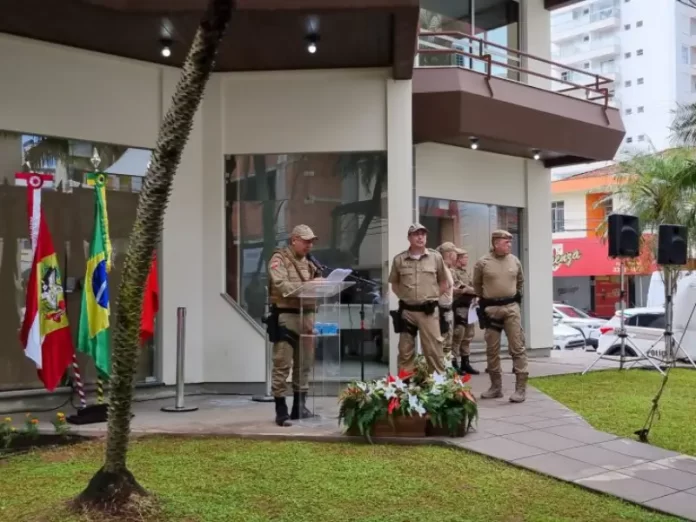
(459, 174)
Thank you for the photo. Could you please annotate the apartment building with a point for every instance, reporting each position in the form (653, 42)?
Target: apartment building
(647, 48)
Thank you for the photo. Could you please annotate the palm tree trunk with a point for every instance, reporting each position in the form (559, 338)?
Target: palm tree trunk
(113, 484)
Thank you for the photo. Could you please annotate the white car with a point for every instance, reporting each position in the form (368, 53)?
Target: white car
(578, 319)
(566, 337)
(644, 329)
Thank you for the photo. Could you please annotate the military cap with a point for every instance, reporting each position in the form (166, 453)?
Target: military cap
(448, 246)
(415, 228)
(462, 252)
(501, 234)
(304, 232)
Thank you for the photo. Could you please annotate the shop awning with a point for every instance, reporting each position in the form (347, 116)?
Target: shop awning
(587, 256)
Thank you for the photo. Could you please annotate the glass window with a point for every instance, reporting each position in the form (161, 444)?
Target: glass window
(342, 198)
(685, 55)
(557, 216)
(68, 205)
(651, 320)
(640, 81)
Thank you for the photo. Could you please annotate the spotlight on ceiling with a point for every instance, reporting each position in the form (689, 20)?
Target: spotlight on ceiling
(166, 50)
(537, 154)
(473, 143)
(312, 41)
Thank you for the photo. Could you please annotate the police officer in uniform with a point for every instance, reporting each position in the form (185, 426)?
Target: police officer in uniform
(499, 282)
(449, 255)
(418, 277)
(463, 333)
(288, 269)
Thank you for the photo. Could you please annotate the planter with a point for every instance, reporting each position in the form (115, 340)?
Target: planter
(23, 443)
(412, 427)
(441, 431)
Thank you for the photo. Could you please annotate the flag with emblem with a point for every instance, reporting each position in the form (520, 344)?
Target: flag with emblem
(94, 317)
(45, 331)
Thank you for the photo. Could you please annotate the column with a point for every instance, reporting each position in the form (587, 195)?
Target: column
(535, 38)
(400, 185)
(536, 254)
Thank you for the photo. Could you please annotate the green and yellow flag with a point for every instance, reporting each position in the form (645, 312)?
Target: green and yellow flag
(94, 318)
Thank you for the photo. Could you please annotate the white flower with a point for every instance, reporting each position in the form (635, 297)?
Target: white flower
(362, 386)
(390, 392)
(399, 384)
(416, 405)
(438, 379)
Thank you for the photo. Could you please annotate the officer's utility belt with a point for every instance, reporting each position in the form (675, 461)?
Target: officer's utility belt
(463, 301)
(276, 332)
(401, 325)
(484, 320)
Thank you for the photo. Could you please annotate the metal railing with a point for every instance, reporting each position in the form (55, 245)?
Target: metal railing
(565, 51)
(559, 25)
(455, 49)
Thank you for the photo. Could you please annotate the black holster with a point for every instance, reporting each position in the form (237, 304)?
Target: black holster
(444, 324)
(401, 325)
(459, 320)
(488, 323)
(276, 332)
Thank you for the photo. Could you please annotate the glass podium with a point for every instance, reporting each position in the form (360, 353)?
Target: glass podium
(320, 336)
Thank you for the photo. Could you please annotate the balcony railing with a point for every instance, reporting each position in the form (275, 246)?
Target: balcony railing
(455, 49)
(566, 51)
(559, 25)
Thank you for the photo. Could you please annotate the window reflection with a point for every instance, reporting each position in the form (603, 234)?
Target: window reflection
(341, 196)
(68, 206)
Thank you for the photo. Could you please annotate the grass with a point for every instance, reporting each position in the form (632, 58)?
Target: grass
(618, 402)
(227, 480)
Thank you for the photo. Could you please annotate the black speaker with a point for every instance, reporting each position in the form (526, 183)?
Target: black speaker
(672, 245)
(624, 236)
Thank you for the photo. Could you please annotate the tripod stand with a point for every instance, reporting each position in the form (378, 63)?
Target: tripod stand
(668, 334)
(361, 286)
(622, 335)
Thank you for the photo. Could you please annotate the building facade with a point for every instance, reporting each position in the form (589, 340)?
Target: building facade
(357, 140)
(583, 274)
(647, 49)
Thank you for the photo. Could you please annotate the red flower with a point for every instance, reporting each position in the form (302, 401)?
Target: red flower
(466, 378)
(393, 404)
(390, 378)
(403, 374)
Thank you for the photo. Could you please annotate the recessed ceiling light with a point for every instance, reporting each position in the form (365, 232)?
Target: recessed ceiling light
(312, 41)
(473, 143)
(166, 50)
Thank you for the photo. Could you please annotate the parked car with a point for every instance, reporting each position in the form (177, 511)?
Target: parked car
(566, 337)
(644, 328)
(571, 316)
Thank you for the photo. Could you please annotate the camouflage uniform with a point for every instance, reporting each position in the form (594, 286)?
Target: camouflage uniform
(416, 282)
(445, 302)
(287, 272)
(463, 331)
(499, 282)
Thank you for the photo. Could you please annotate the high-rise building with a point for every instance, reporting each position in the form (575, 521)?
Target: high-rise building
(646, 47)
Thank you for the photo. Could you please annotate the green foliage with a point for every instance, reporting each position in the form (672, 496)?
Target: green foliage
(7, 433)
(31, 426)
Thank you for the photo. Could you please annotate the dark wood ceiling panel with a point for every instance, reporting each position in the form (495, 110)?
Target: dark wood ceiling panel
(263, 34)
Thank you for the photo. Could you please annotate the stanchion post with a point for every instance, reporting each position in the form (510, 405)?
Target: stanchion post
(180, 353)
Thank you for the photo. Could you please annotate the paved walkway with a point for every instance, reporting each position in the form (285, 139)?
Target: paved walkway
(541, 435)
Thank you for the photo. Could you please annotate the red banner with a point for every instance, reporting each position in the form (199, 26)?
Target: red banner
(607, 293)
(587, 256)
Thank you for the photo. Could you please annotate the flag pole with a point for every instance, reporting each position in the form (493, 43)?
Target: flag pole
(35, 181)
(95, 160)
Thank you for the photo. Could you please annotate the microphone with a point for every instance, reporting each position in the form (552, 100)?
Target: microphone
(316, 262)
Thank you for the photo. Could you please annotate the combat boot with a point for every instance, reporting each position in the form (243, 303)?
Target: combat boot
(455, 365)
(520, 388)
(299, 408)
(281, 409)
(466, 367)
(496, 389)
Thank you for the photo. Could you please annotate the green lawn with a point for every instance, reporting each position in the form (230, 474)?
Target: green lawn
(619, 402)
(227, 480)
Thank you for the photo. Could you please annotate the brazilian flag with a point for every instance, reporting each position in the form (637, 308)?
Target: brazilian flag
(94, 317)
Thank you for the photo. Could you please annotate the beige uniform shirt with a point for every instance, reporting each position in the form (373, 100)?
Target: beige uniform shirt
(418, 280)
(286, 273)
(497, 277)
(462, 278)
(446, 298)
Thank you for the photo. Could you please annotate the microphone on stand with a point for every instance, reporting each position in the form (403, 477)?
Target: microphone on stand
(322, 268)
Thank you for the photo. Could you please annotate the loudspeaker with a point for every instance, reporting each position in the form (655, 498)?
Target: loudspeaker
(672, 245)
(624, 236)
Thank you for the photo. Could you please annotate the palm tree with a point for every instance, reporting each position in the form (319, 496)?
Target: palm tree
(658, 189)
(684, 125)
(113, 485)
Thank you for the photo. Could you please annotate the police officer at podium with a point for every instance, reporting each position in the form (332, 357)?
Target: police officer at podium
(288, 269)
(418, 278)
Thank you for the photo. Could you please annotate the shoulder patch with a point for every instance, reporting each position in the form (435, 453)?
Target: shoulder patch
(275, 262)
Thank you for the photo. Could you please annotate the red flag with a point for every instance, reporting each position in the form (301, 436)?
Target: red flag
(150, 304)
(45, 331)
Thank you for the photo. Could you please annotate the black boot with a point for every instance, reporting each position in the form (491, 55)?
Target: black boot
(455, 365)
(281, 408)
(467, 368)
(299, 408)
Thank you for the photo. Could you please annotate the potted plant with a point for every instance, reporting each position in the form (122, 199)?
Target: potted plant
(409, 405)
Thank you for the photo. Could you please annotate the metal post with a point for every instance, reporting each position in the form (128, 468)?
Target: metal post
(269, 361)
(180, 350)
(669, 312)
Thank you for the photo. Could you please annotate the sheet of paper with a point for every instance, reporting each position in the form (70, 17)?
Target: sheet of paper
(473, 315)
(338, 275)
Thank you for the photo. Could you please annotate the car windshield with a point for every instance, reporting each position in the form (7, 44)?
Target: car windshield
(572, 312)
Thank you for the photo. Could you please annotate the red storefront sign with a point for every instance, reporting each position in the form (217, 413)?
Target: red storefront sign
(607, 293)
(587, 256)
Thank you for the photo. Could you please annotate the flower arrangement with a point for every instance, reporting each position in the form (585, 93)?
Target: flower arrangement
(31, 426)
(7, 433)
(445, 400)
(60, 424)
